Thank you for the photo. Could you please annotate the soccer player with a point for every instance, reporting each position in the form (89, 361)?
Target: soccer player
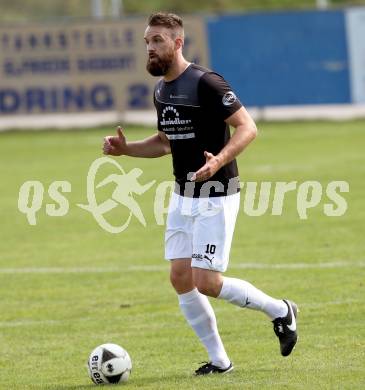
(195, 108)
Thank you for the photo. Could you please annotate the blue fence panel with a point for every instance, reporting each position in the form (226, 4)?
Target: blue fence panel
(282, 58)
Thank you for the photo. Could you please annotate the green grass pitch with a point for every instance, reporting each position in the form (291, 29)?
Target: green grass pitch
(67, 286)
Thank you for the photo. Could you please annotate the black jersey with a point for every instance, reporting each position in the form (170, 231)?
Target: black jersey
(191, 111)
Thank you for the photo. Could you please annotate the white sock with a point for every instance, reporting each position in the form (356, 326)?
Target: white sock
(244, 294)
(200, 315)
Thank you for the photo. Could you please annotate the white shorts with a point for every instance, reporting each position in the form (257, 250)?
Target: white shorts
(201, 229)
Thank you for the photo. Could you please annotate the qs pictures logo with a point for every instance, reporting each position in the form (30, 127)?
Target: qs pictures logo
(126, 186)
(113, 198)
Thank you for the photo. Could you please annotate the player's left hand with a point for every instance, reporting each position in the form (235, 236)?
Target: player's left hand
(211, 166)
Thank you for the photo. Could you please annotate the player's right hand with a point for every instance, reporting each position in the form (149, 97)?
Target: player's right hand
(115, 145)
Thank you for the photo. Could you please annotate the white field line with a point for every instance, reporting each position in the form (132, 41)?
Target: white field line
(158, 268)
(149, 117)
(14, 324)
(158, 323)
(334, 264)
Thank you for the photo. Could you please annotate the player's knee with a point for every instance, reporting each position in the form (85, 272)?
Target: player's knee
(174, 278)
(208, 288)
(180, 280)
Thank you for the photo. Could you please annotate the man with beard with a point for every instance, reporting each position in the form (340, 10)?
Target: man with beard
(195, 108)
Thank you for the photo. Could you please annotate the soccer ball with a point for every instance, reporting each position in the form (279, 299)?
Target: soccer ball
(109, 364)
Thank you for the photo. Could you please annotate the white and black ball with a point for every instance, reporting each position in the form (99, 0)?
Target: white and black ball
(109, 364)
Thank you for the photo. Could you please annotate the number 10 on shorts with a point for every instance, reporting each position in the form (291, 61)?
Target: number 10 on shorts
(210, 249)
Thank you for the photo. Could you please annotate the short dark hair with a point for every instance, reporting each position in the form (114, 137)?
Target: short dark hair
(165, 19)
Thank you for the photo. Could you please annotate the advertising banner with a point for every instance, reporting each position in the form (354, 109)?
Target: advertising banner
(82, 67)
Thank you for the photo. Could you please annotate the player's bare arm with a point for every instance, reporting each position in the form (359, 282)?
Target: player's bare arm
(245, 132)
(155, 146)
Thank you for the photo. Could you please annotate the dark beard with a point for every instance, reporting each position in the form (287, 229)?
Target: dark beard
(159, 66)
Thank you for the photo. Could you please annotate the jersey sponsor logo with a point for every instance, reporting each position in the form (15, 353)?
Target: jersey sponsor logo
(170, 116)
(229, 98)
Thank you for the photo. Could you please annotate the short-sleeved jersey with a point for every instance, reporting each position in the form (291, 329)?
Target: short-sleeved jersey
(191, 111)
